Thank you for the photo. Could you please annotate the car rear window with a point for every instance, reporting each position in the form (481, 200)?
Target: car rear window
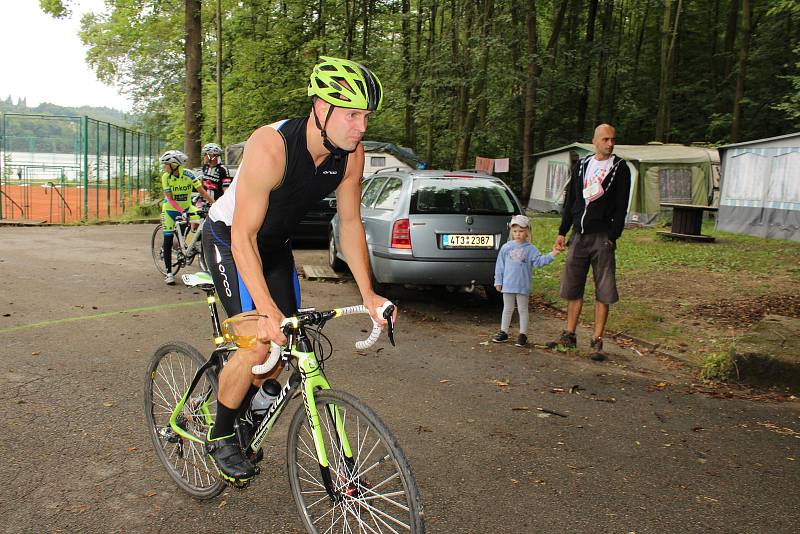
(460, 196)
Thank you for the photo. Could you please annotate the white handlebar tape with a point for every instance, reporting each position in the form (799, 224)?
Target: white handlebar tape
(267, 366)
(376, 328)
(275, 351)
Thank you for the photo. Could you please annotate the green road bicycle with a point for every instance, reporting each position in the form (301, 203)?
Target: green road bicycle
(182, 254)
(347, 472)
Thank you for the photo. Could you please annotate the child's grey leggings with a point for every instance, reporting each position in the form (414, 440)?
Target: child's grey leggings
(521, 302)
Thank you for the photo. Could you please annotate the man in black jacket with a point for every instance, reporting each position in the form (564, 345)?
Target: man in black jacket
(595, 206)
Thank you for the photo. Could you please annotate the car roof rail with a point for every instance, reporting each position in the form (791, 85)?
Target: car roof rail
(387, 169)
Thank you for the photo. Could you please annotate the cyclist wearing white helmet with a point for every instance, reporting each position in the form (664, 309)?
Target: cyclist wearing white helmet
(216, 179)
(177, 183)
(288, 166)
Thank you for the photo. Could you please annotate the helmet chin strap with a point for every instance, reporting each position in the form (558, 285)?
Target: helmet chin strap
(337, 152)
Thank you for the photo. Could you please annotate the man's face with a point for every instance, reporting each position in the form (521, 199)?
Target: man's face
(604, 141)
(346, 127)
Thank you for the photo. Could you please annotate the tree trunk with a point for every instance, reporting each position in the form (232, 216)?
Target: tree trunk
(219, 72)
(550, 58)
(432, 57)
(349, 19)
(193, 108)
(730, 40)
(365, 34)
(478, 109)
(606, 25)
(744, 52)
(583, 103)
(668, 36)
(639, 42)
(406, 74)
(530, 103)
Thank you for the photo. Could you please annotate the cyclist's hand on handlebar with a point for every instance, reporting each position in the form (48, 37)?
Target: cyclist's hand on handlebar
(373, 303)
(269, 329)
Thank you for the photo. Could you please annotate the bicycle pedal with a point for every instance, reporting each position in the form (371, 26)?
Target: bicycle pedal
(239, 485)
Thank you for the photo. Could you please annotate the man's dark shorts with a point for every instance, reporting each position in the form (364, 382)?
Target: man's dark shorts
(590, 250)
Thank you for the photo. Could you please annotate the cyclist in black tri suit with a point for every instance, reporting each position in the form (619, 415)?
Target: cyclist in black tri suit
(287, 167)
(216, 179)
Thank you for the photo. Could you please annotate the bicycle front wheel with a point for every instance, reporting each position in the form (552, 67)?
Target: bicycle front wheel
(373, 491)
(157, 248)
(168, 377)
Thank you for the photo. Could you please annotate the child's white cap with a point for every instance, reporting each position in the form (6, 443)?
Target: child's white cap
(521, 221)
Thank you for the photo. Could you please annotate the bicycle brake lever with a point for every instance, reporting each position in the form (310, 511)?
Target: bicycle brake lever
(387, 314)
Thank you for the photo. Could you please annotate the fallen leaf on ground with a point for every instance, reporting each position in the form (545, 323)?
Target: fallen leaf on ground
(35, 353)
(150, 494)
(108, 404)
(520, 409)
(500, 383)
(445, 381)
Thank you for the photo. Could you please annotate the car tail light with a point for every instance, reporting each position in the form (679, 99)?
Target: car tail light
(401, 234)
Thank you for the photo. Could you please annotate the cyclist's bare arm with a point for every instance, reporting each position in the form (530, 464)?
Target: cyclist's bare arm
(261, 171)
(351, 231)
(203, 193)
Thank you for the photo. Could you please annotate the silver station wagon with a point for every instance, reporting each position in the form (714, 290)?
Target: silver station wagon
(428, 228)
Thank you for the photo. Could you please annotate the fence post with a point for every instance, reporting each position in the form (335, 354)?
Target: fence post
(85, 120)
(3, 155)
(108, 169)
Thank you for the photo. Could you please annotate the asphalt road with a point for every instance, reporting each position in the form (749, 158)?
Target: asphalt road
(635, 447)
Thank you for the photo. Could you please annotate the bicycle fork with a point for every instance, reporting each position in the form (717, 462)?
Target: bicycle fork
(314, 380)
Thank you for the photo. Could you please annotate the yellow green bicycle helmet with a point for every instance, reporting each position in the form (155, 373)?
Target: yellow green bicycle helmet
(346, 84)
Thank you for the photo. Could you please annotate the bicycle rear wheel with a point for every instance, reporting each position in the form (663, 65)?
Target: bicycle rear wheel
(157, 248)
(374, 491)
(168, 377)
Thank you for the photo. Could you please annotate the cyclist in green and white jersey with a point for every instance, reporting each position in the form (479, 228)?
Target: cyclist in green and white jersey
(177, 183)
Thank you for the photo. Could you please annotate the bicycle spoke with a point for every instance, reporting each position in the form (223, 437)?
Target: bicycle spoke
(371, 492)
(169, 378)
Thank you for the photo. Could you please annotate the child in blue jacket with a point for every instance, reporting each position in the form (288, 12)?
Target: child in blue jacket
(512, 277)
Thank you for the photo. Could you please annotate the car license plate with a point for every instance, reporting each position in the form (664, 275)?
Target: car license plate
(467, 241)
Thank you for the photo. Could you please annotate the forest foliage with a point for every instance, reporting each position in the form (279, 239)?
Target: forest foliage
(495, 78)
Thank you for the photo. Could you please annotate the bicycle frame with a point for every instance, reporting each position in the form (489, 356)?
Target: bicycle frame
(308, 375)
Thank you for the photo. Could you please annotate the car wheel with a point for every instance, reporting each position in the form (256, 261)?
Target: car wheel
(336, 264)
(377, 287)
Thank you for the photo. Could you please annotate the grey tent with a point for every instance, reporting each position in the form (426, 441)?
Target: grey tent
(760, 193)
(659, 173)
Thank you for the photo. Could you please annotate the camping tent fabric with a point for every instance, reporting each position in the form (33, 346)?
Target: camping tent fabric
(761, 188)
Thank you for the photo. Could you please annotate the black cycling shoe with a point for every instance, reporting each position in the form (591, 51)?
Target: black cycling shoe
(228, 458)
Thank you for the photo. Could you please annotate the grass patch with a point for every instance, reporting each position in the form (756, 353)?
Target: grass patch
(663, 282)
(145, 210)
(720, 366)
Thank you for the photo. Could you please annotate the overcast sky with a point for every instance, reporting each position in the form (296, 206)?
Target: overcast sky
(44, 60)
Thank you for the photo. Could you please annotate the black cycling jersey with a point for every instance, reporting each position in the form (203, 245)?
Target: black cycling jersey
(215, 179)
(301, 187)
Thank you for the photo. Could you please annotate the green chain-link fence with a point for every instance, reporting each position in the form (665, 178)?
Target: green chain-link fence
(63, 169)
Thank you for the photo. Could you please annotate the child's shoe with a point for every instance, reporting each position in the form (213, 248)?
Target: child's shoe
(500, 337)
(522, 341)
(597, 353)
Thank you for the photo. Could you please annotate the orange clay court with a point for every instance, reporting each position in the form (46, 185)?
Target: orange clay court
(37, 203)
